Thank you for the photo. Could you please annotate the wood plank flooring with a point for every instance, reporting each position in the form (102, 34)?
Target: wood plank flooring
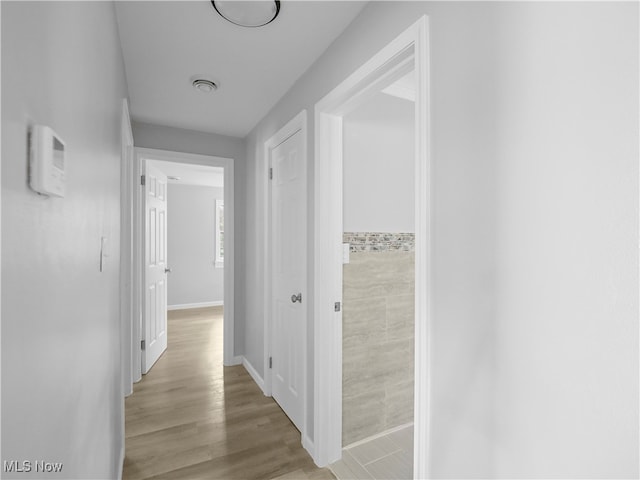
(192, 418)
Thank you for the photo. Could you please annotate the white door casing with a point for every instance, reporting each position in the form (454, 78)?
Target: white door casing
(155, 274)
(139, 247)
(288, 247)
(126, 253)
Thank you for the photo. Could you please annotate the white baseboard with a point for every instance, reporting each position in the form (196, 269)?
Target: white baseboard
(184, 306)
(237, 360)
(309, 446)
(253, 372)
(121, 462)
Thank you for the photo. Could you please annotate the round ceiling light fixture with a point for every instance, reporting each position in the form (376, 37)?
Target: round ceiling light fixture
(203, 85)
(248, 13)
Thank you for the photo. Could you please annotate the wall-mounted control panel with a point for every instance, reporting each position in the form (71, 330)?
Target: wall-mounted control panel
(46, 162)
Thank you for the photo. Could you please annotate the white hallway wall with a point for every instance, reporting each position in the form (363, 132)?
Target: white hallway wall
(61, 387)
(191, 232)
(378, 166)
(535, 224)
(189, 141)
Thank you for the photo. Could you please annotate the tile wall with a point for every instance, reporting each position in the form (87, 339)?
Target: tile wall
(378, 334)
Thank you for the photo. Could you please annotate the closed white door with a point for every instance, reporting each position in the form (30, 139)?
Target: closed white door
(155, 271)
(289, 242)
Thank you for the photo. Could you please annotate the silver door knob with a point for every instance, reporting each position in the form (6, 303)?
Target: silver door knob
(167, 270)
(296, 298)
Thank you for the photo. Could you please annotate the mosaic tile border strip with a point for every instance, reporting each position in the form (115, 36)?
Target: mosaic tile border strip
(379, 242)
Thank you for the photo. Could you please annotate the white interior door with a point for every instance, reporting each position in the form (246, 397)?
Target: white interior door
(289, 241)
(155, 268)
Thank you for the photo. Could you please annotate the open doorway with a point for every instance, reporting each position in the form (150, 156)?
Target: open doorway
(192, 178)
(405, 54)
(379, 284)
(195, 235)
(194, 267)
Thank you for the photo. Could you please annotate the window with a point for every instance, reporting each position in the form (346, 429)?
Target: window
(219, 233)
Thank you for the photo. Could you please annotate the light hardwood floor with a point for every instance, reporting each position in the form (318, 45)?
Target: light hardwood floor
(192, 418)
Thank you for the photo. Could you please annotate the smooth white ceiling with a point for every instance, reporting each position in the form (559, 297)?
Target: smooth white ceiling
(166, 43)
(191, 174)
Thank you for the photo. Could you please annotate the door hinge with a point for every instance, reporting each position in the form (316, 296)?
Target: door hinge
(270, 173)
(270, 362)
(143, 344)
(143, 180)
(336, 307)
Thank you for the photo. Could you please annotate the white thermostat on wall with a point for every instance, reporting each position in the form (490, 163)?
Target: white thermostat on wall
(46, 162)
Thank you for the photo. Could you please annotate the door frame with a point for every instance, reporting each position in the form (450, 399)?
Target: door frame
(297, 123)
(227, 164)
(129, 375)
(126, 271)
(410, 46)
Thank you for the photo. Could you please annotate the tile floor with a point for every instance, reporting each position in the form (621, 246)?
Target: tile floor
(386, 457)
